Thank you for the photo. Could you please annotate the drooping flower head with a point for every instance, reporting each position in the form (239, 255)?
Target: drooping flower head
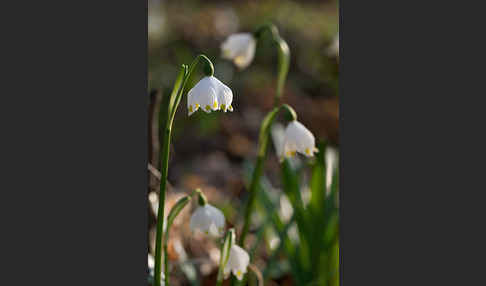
(240, 48)
(210, 94)
(237, 262)
(297, 138)
(208, 220)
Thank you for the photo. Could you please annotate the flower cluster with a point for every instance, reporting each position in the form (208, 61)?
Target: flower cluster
(211, 221)
(240, 48)
(210, 94)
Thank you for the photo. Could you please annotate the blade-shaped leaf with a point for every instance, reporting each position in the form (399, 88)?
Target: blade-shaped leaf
(228, 242)
(177, 87)
(176, 209)
(318, 183)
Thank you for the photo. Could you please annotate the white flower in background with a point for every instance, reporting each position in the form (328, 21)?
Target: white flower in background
(151, 265)
(157, 25)
(293, 233)
(286, 210)
(240, 48)
(210, 94)
(208, 219)
(297, 138)
(237, 262)
(331, 165)
(333, 49)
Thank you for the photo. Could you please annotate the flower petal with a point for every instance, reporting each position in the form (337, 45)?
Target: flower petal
(238, 259)
(299, 139)
(225, 97)
(208, 220)
(204, 95)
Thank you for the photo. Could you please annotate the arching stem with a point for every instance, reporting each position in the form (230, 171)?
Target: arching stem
(258, 171)
(175, 98)
(283, 57)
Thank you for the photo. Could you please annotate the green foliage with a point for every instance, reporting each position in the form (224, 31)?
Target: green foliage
(176, 90)
(312, 258)
(225, 252)
(265, 131)
(283, 66)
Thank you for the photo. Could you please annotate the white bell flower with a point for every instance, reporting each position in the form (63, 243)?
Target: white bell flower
(240, 48)
(208, 219)
(298, 139)
(210, 94)
(237, 262)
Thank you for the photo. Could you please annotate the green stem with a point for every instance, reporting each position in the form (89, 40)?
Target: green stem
(257, 173)
(219, 282)
(174, 101)
(160, 212)
(283, 57)
(283, 67)
(208, 71)
(225, 250)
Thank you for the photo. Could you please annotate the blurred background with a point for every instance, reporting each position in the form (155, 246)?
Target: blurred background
(216, 151)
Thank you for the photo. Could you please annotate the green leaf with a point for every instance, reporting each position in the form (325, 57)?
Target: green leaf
(176, 89)
(225, 252)
(316, 207)
(292, 190)
(318, 182)
(264, 131)
(285, 243)
(176, 209)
